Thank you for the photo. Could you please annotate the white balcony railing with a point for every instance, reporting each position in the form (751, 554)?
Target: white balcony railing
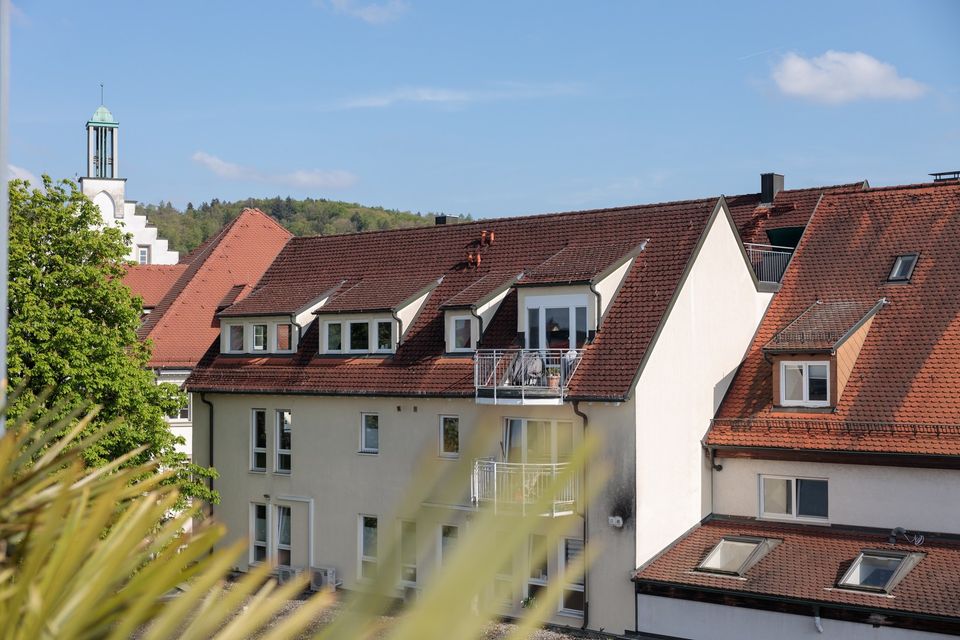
(524, 375)
(515, 487)
(768, 261)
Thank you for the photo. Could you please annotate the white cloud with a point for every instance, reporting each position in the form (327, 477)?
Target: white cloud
(369, 12)
(19, 173)
(301, 178)
(437, 95)
(840, 76)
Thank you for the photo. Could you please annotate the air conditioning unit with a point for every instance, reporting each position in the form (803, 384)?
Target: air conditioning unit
(323, 579)
(286, 574)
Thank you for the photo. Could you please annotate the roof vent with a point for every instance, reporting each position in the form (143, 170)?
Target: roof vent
(770, 185)
(445, 219)
(944, 176)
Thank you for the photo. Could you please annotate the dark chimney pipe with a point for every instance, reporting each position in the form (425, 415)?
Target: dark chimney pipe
(446, 219)
(770, 185)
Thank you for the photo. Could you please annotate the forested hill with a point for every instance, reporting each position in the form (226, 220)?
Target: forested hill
(187, 229)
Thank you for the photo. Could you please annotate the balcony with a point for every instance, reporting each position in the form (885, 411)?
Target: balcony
(513, 487)
(768, 261)
(524, 376)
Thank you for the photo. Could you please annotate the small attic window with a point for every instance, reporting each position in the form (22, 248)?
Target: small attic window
(734, 555)
(879, 571)
(903, 267)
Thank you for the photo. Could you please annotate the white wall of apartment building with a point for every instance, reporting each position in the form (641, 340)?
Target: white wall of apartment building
(181, 424)
(863, 495)
(712, 321)
(674, 618)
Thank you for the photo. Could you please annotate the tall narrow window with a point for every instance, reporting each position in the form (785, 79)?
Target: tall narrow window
(284, 441)
(449, 436)
(236, 337)
(143, 255)
(258, 550)
(369, 433)
(359, 336)
(334, 336)
(284, 337)
(408, 552)
(533, 328)
(283, 536)
(259, 337)
(384, 335)
(368, 546)
(258, 440)
(570, 552)
(462, 334)
(503, 582)
(539, 574)
(448, 540)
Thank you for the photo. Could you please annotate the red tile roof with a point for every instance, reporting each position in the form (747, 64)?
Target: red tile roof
(481, 290)
(578, 262)
(823, 326)
(901, 396)
(309, 266)
(152, 281)
(182, 326)
(808, 564)
(376, 294)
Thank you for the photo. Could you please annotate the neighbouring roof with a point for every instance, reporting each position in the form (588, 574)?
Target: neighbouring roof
(183, 324)
(807, 565)
(152, 281)
(580, 263)
(823, 326)
(482, 290)
(308, 266)
(901, 394)
(376, 294)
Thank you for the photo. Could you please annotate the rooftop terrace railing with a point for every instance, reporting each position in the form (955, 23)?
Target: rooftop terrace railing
(524, 374)
(768, 261)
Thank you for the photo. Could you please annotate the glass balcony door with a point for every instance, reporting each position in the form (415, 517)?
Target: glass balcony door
(538, 441)
(556, 327)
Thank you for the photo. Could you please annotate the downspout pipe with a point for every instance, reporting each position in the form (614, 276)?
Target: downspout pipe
(596, 293)
(473, 312)
(293, 321)
(203, 398)
(393, 312)
(586, 522)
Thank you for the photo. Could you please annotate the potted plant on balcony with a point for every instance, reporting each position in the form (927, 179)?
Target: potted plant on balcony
(553, 377)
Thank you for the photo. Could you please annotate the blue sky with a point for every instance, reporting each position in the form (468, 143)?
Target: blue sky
(488, 108)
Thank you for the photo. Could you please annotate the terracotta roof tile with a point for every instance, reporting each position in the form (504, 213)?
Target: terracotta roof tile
(578, 263)
(152, 281)
(822, 326)
(808, 564)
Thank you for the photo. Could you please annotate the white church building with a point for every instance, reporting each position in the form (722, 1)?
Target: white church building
(103, 184)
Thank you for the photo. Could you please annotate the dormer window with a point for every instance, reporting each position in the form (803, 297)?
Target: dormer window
(384, 335)
(903, 267)
(804, 384)
(284, 337)
(334, 337)
(879, 571)
(556, 322)
(259, 337)
(368, 335)
(359, 336)
(236, 338)
(460, 333)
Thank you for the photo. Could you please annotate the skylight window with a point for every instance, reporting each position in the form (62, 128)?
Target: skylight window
(903, 267)
(879, 571)
(734, 555)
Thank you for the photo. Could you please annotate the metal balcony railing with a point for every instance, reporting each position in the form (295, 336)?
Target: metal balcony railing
(514, 487)
(512, 375)
(768, 261)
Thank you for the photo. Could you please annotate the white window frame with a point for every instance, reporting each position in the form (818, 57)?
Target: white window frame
(326, 336)
(363, 434)
(243, 340)
(275, 338)
(794, 503)
(278, 547)
(143, 254)
(568, 586)
(524, 437)
(444, 525)
(453, 334)
(375, 335)
(404, 565)
(253, 533)
(178, 419)
(441, 452)
(349, 347)
(278, 413)
(542, 303)
(805, 402)
(266, 337)
(361, 557)
(254, 449)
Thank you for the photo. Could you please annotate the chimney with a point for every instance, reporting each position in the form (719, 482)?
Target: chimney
(770, 185)
(445, 219)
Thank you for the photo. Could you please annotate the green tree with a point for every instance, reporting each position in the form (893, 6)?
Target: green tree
(73, 329)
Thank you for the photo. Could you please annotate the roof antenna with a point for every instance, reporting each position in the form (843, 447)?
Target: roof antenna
(101, 93)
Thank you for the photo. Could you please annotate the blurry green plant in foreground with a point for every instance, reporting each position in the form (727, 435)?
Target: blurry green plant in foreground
(94, 553)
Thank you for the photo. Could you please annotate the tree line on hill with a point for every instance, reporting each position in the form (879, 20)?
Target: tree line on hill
(186, 229)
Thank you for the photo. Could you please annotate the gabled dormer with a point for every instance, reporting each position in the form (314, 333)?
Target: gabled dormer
(813, 356)
(468, 313)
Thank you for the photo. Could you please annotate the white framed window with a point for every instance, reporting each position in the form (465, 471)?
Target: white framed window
(284, 337)
(735, 555)
(143, 254)
(258, 440)
(539, 568)
(359, 336)
(556, 322)
(235, 338)
(284, 549)
(903, 267)
(449, 534)
(333, 337)
(367, 545)
(571, 600)
(538, 441)
(384, 335)
(369, 433)
(461, 333)
(879, 571)
(804, 384)
(791, 498)
(408, 552)
(184, 412)
(284, 441)
(259, 526)
(449, 436)
(259, 337)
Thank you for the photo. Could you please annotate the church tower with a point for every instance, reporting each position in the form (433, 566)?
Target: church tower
(103, 184)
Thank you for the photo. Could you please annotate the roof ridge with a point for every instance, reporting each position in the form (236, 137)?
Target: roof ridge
(905, 187)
